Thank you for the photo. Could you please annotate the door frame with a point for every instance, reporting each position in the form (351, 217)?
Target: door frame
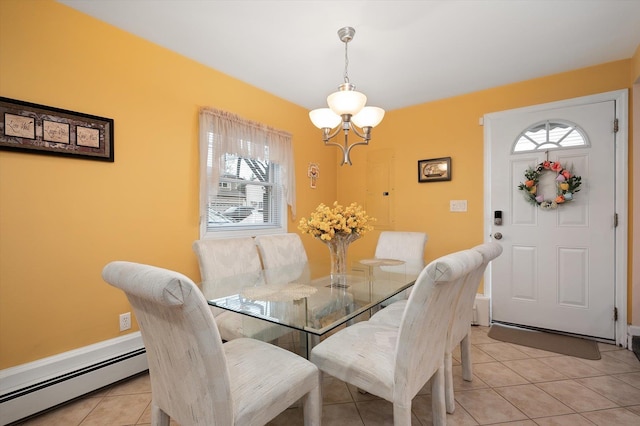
(621, 98)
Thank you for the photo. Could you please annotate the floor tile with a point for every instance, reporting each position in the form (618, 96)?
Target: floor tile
(459, 384)
(335, 391)
(137, 384)
(496, 374)
(340, 414)
(576, 396)
(570, 366)
(533, 401)
(486, 406)
(478, 356)
(617, 416)
(421, 407)
(567, 420)
(69, 414)
(609, 364)
(118, 410)
(616, 390)
(625, 356)
(503, 351)
(379, 413)
(632, 379)
(534, 370)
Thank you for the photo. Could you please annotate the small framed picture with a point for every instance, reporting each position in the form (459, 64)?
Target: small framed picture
(434, 169)
(41, 129)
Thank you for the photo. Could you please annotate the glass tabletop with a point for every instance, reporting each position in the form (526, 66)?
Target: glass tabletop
(306, 297)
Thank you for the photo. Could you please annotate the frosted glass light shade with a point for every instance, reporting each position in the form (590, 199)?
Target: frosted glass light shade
(346, 102)
(368, 117)
(324, 118)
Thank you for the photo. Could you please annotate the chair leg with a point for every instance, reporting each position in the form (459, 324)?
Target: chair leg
(465, 358)
(448, 383)
(158, 417)
(438, 406)
(312, 405)
(402, 414)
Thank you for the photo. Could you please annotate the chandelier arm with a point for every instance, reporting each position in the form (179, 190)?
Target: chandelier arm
(326, 134)
(367, 132)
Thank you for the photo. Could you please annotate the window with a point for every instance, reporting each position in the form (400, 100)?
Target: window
(246, 177)
(549, 135)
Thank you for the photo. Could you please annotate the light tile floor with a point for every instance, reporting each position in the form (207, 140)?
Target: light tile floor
(512, 385)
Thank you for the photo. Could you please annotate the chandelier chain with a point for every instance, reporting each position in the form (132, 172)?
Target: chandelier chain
(346, 62)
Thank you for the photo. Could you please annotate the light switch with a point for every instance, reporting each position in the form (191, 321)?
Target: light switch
(458, 205)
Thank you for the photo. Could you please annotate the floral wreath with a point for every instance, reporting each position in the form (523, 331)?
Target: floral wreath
(567, 184)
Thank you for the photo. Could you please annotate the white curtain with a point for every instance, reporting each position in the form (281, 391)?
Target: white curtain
(228, 133)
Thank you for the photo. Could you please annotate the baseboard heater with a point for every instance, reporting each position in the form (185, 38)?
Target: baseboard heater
(40, 385)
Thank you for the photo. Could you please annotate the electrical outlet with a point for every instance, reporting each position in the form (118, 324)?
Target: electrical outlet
(125, 321)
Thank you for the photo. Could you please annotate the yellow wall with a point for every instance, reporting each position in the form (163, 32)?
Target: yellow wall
(62, 220)
(450, 128)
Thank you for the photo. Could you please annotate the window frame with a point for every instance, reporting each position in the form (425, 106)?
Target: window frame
(224, 132)
(251, 230)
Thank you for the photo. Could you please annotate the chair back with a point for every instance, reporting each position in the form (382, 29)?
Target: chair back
(427, 318)
(226, 257)
(407, 246)
(234, 261)
(463, 315)
(187, 363)
(280, 250)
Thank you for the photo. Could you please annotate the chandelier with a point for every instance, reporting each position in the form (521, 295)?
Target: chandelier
(347, 111)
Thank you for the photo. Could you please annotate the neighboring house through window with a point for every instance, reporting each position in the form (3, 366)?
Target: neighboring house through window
(246, 176)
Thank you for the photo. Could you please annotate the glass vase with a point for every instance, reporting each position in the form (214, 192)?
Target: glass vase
(338, 246)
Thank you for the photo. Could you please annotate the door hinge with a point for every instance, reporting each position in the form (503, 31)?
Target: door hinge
(615, 126)
(615, 314)
(615, 220)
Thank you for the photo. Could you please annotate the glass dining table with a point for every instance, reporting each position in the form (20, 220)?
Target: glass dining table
(306, 298)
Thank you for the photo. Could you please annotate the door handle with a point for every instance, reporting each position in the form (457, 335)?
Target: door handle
(497, 236)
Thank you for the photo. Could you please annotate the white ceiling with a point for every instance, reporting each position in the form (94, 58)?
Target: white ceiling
(404, 52)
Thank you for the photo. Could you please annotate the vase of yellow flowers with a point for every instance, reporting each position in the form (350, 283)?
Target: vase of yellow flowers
(337, 227)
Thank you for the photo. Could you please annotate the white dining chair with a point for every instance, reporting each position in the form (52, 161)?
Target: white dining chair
(195, 378)
(220, 261)
(406, 246)
(285, 260)
(402, 245)
(460, 330)
(394, 363)
(281, 249)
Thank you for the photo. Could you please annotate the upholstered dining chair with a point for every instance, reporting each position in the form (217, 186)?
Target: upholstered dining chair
(279, 250)
(460, 330)
(394, 363)
(402, 245)
(219, 259)
(195, 378)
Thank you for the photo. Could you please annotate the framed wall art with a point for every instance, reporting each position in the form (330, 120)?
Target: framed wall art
(434, 169)
(40, 129)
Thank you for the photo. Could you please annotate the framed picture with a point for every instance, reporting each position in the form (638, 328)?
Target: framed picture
(40, 129)
(434, 169)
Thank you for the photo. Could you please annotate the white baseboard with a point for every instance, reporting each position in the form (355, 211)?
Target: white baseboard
(481, 310)
(632, 330)
(31, 388)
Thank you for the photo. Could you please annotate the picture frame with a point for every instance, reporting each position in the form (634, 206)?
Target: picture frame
(41, 129)
(434, 169)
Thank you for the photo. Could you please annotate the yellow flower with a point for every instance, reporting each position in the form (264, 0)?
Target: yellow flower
(325, 222)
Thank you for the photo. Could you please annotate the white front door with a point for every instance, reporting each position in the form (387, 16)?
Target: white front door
(558, 267)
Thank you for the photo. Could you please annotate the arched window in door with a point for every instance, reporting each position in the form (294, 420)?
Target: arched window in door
(550, 134)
